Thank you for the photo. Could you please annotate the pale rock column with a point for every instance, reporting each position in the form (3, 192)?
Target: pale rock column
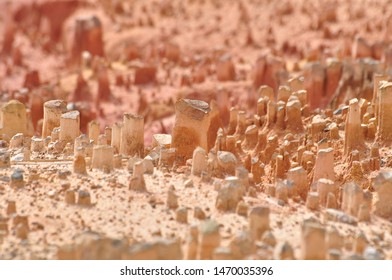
(353, 136)
(132, 135)
(53, 109)
(384, 132)
(69, 126)
(324, 166)
(103, 157)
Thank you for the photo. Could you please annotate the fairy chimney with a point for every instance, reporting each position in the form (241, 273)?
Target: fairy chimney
(196, 124)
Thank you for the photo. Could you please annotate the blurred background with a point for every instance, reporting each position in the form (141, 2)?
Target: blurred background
(109, 57)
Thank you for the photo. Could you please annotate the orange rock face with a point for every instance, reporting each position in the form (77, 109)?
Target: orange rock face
(88, 37)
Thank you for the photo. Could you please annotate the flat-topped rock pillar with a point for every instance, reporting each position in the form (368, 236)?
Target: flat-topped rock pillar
(196, 124)
(13, 118)
(53, 109)
(103, 157)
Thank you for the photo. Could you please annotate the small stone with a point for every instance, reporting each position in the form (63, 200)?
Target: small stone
(167, 157)
(331, 201)
(339, 216)
(182, 215)
(298, 176)
(383, 187)
(284, 251)
(334, 254)
(79, 164)
(222, 253)
(372, 253)
(364, 213)
(37, 145)
(258, 221)
(4, 158)
(70, 197)
(192, 242)
(227, 162)
(17, 141)
(199, 161)
(148, 165)
(84, 198)
(313, 245)
(241, 245)
(242, 209)
(312, 201)
(18, 157)
(269, 238)
(21, 231)
(131, 163)
(360, 243)
(103, 157)
(3, 225)
(281, 191)
(352, 198)
(161, 141)
(17, 178)
(188, 183)
(324, 188)
(62, 174)
(333, 239)
(229, 195)
(209, 239)
(52, 193)
(271, 190)
(11, 207)
(137, 182)
(172, 199)
(252, 192)
(324, 166)
(21, 220)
